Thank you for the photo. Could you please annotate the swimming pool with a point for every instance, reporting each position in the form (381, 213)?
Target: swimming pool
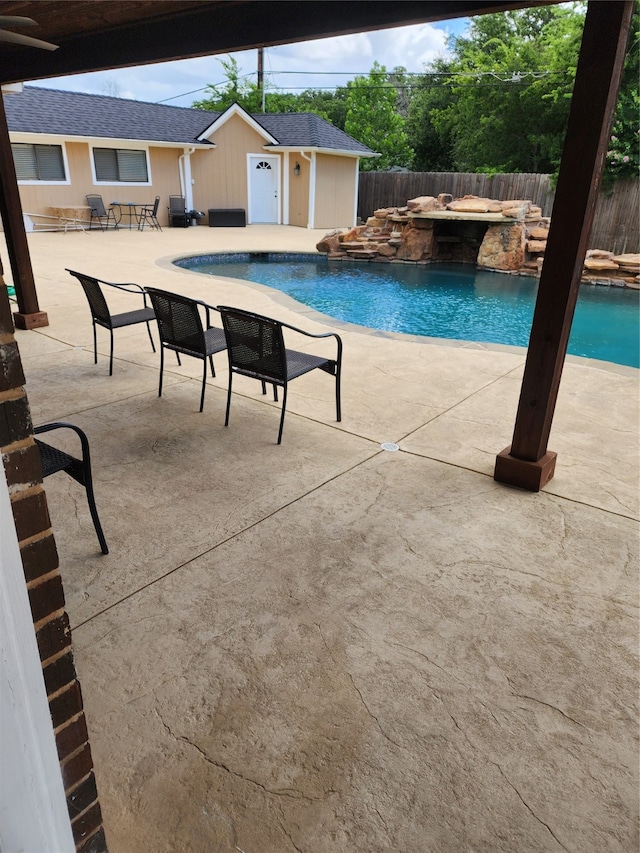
(453, 301)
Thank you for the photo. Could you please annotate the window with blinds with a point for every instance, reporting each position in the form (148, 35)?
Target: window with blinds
(120, 165)
(38, 162)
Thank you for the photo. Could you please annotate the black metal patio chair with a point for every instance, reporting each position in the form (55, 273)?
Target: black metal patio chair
(178, 212)
(100, 213)
(148, 215)
(181, 330)
(101, 315)
(255, 346)
(53, 460)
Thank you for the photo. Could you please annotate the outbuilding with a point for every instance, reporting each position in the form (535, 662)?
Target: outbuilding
(284, 168)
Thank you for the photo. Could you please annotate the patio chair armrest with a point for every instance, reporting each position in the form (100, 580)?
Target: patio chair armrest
(317, 335)
(128, 287)
(84, 441)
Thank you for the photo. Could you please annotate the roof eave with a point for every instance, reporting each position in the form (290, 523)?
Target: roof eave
(28, 135)
(342, 152)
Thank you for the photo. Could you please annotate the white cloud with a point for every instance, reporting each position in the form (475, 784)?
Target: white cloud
(183, 81)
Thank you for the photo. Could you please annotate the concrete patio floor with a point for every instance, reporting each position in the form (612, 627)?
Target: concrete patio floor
(324, 646)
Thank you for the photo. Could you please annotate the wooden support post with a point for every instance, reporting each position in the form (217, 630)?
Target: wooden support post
(527, 462)
(29, 315)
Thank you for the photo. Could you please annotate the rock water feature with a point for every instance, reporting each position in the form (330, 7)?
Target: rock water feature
(508, 236)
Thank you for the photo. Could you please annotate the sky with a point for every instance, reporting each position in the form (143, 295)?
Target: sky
(291, 67)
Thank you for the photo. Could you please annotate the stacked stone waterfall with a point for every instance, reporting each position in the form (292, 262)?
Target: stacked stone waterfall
(510, 236)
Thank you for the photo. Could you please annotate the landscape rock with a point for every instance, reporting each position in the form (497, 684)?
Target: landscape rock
(502, 248)
(469, 204)
(628, 262)
(599, 253)
(600, 264)
(538, 233)
(416, 244)
(330, 242)
(422, 204)
(514, 212)
(387, 250)
(407, 233)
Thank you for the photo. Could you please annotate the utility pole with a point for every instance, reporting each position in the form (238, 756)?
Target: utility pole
(261, 75)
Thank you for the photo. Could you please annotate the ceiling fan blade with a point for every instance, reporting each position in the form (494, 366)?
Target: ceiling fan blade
(27, 41)
(16, 21)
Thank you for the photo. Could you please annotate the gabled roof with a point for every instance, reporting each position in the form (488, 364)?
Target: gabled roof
(75, 114)
(52, 111)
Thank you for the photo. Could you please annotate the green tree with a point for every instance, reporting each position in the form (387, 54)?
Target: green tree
(237, 89)
(244, 91)
(623, 159)
(509, 89)
(501, 103)
(372, 119)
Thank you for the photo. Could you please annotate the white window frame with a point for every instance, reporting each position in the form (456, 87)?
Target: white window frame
(65, 163)
(130, 147)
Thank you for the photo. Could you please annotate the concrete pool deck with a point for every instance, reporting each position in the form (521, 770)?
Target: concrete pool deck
(325, 646)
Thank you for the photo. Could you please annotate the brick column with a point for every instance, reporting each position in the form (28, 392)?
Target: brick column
(21, 461)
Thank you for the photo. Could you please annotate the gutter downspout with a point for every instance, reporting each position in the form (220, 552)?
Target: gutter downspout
(312, 187)
(184, 173)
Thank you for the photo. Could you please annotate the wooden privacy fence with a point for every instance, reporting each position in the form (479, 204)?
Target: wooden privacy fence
(616, 224)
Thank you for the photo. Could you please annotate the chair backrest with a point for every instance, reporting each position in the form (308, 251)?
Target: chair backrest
(177, 204)
(179, 321)
(154, 212)
(97, 205)
(255, 344)
(95, 297)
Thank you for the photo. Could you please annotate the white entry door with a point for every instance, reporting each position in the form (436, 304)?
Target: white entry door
(263, 188)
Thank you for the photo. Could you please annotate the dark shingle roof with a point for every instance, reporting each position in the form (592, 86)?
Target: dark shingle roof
(52, 111)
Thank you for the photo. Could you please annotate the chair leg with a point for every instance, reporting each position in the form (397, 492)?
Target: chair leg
(95, 344)
(264, 387)
(204, 382)
(275, 393)
(94, 510)
(284, 406)
(213, 370)
(153, 347)
(161, 369)
(226, 417)
(338, 404)
(87, 481)
(111, 354)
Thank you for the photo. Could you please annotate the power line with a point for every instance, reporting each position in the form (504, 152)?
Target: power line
(507, 77)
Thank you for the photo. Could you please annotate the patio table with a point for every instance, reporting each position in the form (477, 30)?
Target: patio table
(129, 209)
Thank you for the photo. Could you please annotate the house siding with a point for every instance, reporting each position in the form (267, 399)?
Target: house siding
(221, 175)
(163, 164)
(299, 191)
(335, 191)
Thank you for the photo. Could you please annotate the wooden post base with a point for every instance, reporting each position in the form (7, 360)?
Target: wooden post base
(522, 473)
(30, 321)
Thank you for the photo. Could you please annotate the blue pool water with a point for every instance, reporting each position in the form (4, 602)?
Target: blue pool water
(438, 300)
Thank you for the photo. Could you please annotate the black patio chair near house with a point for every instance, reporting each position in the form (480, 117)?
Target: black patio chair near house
(100, 213)
(255, 346)
(178, 217)
(102, 316)
(149, 215)
(53, 460)
(181, 330)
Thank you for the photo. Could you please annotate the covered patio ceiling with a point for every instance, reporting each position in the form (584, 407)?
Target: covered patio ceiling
(101, 34)
(95, 35)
